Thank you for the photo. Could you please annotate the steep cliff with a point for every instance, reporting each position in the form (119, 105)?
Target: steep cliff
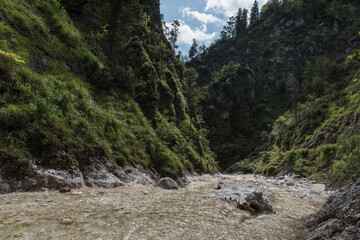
(80, 97)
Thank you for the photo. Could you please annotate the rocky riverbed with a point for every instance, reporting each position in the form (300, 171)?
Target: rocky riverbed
(150, 212)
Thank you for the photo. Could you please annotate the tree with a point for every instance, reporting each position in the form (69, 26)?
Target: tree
(244, 20)
(229, 29)
(172, 33)
(255, 14)
(231, 26)
(202, 48)
(194, 49)
(223, 34)
(269, 8)
(238, 29)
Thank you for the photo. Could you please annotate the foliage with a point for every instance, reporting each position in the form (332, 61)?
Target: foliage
(194, 49)
(286, 82)
(13, 56)
(254, 14)
(77, 97)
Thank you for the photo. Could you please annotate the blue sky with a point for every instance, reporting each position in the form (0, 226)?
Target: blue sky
(201, 19)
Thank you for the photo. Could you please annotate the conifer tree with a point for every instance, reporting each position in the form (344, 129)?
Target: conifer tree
(231, 26)
(238, 29)
(244, 20)
(174, 33)
(202, 48)
(194, 49)
(255, 13)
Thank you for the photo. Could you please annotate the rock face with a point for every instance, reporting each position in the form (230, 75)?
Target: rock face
(107, 174)
(167, 183)
(339, 218)
(40, 178)
(100, 173)
(248, 194)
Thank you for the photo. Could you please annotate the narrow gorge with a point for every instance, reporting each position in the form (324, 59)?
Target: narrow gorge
(109, 131)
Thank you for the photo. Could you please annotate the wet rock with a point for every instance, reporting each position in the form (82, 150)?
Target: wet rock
(65, 190)
(167, 183)
(339, 218)
(303, 196)
(247, 194)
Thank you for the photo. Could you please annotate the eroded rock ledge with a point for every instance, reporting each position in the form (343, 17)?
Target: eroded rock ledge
(339, 218)
(104, 174)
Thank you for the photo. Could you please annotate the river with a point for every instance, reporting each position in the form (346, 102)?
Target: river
(149, 212)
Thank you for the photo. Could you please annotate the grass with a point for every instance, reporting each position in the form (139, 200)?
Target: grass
(50, 102)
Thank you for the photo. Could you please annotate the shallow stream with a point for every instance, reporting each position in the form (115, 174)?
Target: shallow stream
(148, 212)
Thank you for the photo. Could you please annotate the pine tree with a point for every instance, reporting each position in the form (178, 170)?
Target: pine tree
(255, 13)
(223, 34)
(194, 49)
(229, 30)
(238, 29)
(231, 26)
(174, 33)
(244, 20)
(202, 48)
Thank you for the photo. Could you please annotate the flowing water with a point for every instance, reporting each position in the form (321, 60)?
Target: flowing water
(148, 212)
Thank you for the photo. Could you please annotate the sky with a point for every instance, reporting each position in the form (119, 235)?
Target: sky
(201, 19)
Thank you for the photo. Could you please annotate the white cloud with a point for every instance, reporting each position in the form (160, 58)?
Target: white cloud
(187, 34)
(202, 17)
(229, 7)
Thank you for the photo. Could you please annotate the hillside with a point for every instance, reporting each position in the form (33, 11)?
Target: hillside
(87, 83)
(288, 81)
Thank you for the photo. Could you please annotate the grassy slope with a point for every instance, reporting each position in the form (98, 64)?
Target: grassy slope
(51, 114)
(324, 139)
(287, 41)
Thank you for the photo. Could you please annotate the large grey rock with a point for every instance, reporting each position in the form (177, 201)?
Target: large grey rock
(108, 174)
(98, 175)
(339, 218)
(248, 194)
(167, 183)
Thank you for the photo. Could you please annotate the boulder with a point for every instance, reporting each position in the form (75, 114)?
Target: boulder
(339, 218)
(247, 194)
(167, 183)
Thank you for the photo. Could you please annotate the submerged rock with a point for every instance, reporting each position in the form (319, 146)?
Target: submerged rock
(339, 218)
(247, 194)
(167, 183)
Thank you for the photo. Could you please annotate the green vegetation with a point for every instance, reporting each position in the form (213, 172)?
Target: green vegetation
(325, 135)
(98, 80)
(71, 93)
(286, 82)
